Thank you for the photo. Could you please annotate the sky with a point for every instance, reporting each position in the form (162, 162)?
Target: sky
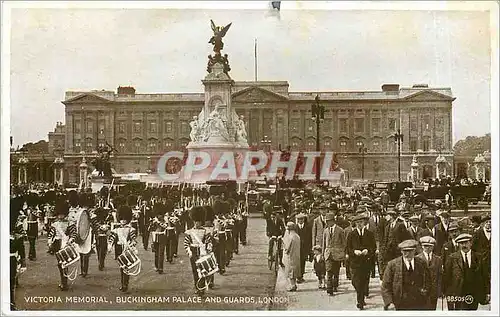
(165, 51)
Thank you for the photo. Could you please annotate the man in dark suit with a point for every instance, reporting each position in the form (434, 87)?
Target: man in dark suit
(396, 232)
(464, 282)
(435, 265)
(275, 227)
(481, 241)
(360, 247)
(333, 246)
(406, 280)
(428, 226)
(304, 232)
(415, 231)
(450, 246)
(441, 230)
(376, 224)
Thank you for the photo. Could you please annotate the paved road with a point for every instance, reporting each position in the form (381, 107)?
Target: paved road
(309, 297)
(246, 285)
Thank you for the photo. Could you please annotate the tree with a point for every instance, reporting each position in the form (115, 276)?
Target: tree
(472, 145)
(40, 147)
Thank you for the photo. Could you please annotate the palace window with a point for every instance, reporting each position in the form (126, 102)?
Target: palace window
(392, 124)
(89, 127)
(413, 125)
(439, 123)
(152, 146)
(376, 146)
(294, 126)
(137, 126)
(184, 127)
(343, 146)
(78, 127)
(343, 125)
(137, 146)
(426, 124)
(413, 144)
(152, 127)
(375, 124)
(121, 127)
(426, 143)
(359, 125)
(77, 146)
(168, 126)
(121, 146)
(102, 126)
(168, 144)
(359, 144)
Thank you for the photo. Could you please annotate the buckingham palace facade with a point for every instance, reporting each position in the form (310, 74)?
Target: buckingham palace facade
(141, 127)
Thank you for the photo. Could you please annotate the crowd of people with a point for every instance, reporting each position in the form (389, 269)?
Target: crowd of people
(420, 253)
(79, 224)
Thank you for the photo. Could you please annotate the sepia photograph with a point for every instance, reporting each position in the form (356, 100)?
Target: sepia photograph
(249, 157)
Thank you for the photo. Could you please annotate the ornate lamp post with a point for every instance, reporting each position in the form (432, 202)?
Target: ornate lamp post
(22, 174)
(363, 151)
(59, 171)
(398, 138)
(318, 116)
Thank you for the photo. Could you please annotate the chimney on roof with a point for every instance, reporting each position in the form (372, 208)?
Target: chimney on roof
(420, 86)
(126, 90)
(390, 87)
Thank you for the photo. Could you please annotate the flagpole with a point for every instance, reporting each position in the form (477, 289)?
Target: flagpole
(255, 57)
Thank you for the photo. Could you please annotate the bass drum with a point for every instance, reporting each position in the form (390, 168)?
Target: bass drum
(83, 226)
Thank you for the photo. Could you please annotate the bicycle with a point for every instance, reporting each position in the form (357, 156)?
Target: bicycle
(275, 257)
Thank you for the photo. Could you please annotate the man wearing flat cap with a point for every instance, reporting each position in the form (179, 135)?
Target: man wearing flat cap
(435, 265)
(406, 280)
(304, 231)
(481, 240)
(360, 248)
(464, 281)
(333, 245)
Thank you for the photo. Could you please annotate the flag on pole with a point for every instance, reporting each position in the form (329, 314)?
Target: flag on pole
(276, 5)
(255, 58)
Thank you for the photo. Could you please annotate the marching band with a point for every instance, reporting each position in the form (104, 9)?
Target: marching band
(79, 224)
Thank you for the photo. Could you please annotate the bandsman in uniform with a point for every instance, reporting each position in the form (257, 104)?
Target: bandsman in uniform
(32, 214)
(145, 218)
(62, 232)
(209, 227)
(220, 232)
(103, 229)
(157, 229)
(197, 243)
(123, 237)
(16, 236)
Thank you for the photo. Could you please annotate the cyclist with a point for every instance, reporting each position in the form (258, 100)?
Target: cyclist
(276, 227)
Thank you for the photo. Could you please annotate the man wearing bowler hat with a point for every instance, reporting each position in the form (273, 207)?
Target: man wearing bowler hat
(333, 245)
(406, 280)
(435, 265)
(361, 246)
(464, 282)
